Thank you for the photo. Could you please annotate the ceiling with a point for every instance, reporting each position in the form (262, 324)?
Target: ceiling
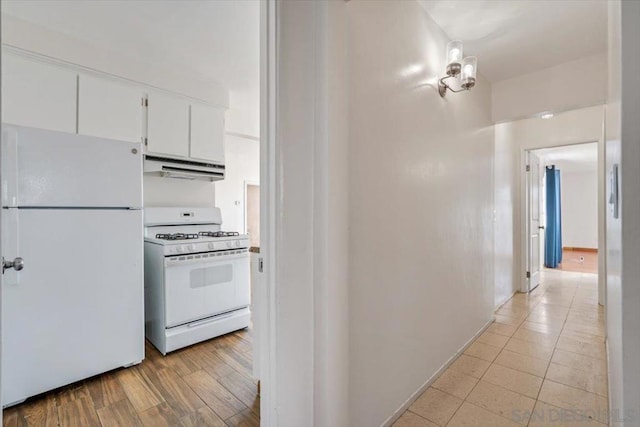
(216, 40)
(510, 37)
(515, 37)
(571, 157)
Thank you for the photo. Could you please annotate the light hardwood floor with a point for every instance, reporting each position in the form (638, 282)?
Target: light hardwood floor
(208, 384)
(541, 363)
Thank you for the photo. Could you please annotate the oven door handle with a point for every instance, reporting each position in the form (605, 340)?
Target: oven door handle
(209, 320)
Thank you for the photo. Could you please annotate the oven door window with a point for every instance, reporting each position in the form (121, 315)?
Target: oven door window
(211, 276)
(198, 290)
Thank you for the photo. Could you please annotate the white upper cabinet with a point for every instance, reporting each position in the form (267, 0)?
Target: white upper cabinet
(167, 125)
(109, 109)
(38, 95)
(207, 133)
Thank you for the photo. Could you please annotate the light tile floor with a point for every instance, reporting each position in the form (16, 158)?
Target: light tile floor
(541, 363)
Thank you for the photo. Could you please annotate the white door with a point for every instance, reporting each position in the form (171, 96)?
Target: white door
(76, 309)
(533, 222)
(38, 95)
(109, 110)
(167, 125)
(207, 133)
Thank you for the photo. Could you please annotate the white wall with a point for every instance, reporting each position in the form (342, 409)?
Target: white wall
(421, 208)
(512, 139)
(336, 340)
(567, 86)
(243, 116)
(160, 191)
(505, 214)
(623, 233)
(242, 162)
(579, 192)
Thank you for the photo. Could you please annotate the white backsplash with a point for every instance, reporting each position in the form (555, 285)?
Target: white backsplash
(160, 191)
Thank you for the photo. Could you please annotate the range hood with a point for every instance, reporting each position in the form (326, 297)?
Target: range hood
(169, 167)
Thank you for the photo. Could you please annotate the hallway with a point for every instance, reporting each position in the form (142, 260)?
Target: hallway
(542, 362)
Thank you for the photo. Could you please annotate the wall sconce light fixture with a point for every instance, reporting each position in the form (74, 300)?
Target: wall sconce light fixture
(463, 69)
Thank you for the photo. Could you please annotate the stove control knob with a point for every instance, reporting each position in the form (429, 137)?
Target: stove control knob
(179, 249)
(229, 244)
(191, 247)
(238, 243)
(212, 246)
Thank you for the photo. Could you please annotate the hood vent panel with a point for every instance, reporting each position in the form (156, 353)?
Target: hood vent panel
(168, 167)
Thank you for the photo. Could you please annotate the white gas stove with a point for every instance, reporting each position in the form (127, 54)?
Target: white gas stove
(196, 277)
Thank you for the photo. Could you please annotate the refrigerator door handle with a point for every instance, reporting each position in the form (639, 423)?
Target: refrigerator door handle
(9, 167)
(11, 246)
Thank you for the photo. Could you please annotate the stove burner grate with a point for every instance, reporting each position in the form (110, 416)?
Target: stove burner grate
(176, 236)
(219, 233)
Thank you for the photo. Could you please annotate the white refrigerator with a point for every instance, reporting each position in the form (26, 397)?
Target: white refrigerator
(72, 211)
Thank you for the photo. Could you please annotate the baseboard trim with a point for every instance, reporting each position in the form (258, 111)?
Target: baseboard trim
(571, 248)
(243, 135)
(504, 301)
(606, 348)
(401, 410)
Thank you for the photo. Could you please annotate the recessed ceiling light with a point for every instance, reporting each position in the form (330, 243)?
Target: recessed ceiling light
(546, 115)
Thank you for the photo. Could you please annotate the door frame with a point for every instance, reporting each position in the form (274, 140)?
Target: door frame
(247, 183)
(1, 281)
(601, 213)
(268, 210)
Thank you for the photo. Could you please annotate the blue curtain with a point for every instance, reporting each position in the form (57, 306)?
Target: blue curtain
(553, 228)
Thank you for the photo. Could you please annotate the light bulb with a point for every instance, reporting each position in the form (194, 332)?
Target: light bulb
(454, 55)
(469, 69)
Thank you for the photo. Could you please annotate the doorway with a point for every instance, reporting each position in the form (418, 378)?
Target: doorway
(562, 210)
(131, 68)
(252, 212)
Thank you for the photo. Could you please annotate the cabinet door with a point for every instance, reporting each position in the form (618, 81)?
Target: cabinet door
(38, 95)
(168, 125)
(207, 133)
(109, 109)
